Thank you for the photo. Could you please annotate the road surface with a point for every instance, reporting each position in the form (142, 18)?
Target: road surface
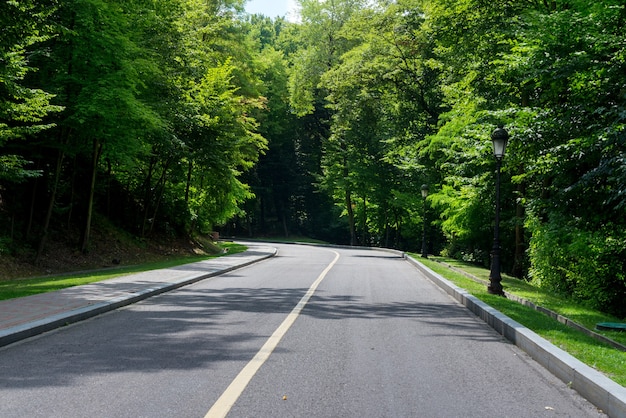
(311, 332)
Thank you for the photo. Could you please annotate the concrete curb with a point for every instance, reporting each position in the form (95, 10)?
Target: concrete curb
(562, 319)
(33, 328)
(591, 384)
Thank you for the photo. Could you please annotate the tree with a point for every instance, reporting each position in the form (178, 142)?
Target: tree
(572, 174)
(147, 89)
(23, 108)
(99, 78)
(385, 100)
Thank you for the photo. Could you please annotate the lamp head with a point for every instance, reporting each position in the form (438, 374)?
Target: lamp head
(499, 138)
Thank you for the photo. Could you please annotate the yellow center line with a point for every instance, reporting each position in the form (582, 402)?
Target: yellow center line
(225, 402)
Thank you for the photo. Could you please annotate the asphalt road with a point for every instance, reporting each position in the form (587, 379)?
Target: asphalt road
(312, 332)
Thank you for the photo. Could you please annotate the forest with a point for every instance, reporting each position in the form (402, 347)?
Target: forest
(183, 117)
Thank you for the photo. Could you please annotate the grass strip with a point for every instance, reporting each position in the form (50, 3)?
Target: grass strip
(600, 356)
(10, 289)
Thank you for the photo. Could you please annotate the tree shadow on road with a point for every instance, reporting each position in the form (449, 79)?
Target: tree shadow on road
(200, 328)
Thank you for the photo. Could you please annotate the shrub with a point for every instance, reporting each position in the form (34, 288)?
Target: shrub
(586, 265)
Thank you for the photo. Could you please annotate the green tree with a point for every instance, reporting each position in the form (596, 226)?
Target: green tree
(23, 107)
(468, 40)
(385, 99)
(99, 79)
(159, 105)
(575, 85)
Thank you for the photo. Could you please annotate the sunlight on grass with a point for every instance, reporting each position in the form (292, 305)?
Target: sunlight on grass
(25, 287)
(605, 359)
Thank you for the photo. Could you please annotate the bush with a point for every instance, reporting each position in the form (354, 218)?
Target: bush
(586, 265)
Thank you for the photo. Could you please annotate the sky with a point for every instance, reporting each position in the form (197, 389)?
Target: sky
(272, 8)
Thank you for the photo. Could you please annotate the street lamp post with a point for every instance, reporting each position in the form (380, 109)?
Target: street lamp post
(499, 138)
(424, 196)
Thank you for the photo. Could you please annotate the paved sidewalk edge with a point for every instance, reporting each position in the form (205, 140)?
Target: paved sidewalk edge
(588, 382)
(33, 328)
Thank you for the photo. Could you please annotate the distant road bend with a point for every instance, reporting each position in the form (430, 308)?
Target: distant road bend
(311, 332)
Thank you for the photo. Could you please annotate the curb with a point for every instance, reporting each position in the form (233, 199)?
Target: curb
(562, 319)
(588, 382)
(33, 328)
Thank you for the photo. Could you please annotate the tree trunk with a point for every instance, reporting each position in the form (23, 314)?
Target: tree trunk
(53, 195)
(147, 197)
(161, 186)
(365, 239)
(348, 198)
(353, 240)
(109, 175)
(31, 211)
(520, 245)
(188, 186)
(285, 228)
(97, 149)
(70, 212)
(387, 229)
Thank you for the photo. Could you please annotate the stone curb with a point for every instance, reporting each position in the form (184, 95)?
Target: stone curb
(562, 319)
(33, 328)
(588, 382)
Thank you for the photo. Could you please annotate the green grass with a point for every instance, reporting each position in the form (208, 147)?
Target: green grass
(603, 358)
(10, 289)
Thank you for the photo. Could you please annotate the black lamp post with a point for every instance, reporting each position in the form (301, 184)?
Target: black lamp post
(424, 196)
(499, 137)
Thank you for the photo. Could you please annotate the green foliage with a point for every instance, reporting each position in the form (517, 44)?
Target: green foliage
(186, 115)
(159, 103)
(12, 169)
(222, 142)
(382, 100)
(23, 108)
(587, 265)
(322, 43)
(466, 222)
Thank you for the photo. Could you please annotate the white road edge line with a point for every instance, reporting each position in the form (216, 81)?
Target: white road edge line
(225, 402)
